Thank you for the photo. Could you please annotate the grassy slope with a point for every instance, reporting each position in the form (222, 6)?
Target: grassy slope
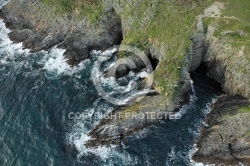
(171, 25)
(241, 10)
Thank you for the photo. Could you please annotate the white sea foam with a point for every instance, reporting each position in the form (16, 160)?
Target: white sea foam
(57, 65)
(205, 111)
(105, 153)
(8, 48)
(116, 88)
(79, 136)
(143, 74)
(192, 86)
(172, 155)
(191, 103)
(111, 82)
(53, 60)
(190, 155)
(109, 52)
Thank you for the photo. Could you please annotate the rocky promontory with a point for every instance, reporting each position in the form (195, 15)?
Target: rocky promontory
(177, 36)
(40, 25)
(218, 53)
(225, 137)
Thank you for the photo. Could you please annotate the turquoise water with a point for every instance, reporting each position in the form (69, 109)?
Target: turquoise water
(38, 91)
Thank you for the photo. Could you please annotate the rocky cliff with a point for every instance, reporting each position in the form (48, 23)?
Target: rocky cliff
(210, 45)
(39, 26)
(225, 137)
(177, 36)
(174, 52)
(163, 35)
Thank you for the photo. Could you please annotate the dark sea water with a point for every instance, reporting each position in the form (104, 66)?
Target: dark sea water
(38, 91)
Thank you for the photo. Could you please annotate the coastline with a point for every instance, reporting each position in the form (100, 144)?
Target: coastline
(37, 34)
(225, 138)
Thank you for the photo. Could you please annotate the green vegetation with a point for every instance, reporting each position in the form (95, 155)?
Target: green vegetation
(170, 25)
(244, 110)
(91, 9)
(233, 31)
(237, 8)
(248, 132)
(167, 25)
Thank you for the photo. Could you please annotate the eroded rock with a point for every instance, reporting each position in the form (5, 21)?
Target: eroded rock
(39, 27)
(225, 139)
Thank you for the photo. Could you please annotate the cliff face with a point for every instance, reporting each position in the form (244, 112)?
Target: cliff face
(39, 26)
(220, 38)
(223, 44)
(155, 30)
(162, 34)
(162, 29)
(227, 56)
(225, 138)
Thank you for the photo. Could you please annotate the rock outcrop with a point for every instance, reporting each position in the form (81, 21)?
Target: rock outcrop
(39, 27)
(124, 121)
(226, 137)
(228, 64)
(172, 77)
(162, 30)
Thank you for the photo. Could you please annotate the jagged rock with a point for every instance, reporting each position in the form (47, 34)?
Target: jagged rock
(227, 64)
(185, 92)
(197, 51)
(20, 35)
(39, 27)
(122, 70)
(124, 121)
(123, 66)
(226, 138)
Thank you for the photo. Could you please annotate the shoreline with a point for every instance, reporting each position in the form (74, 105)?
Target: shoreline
(79, 39)
(216, 144)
